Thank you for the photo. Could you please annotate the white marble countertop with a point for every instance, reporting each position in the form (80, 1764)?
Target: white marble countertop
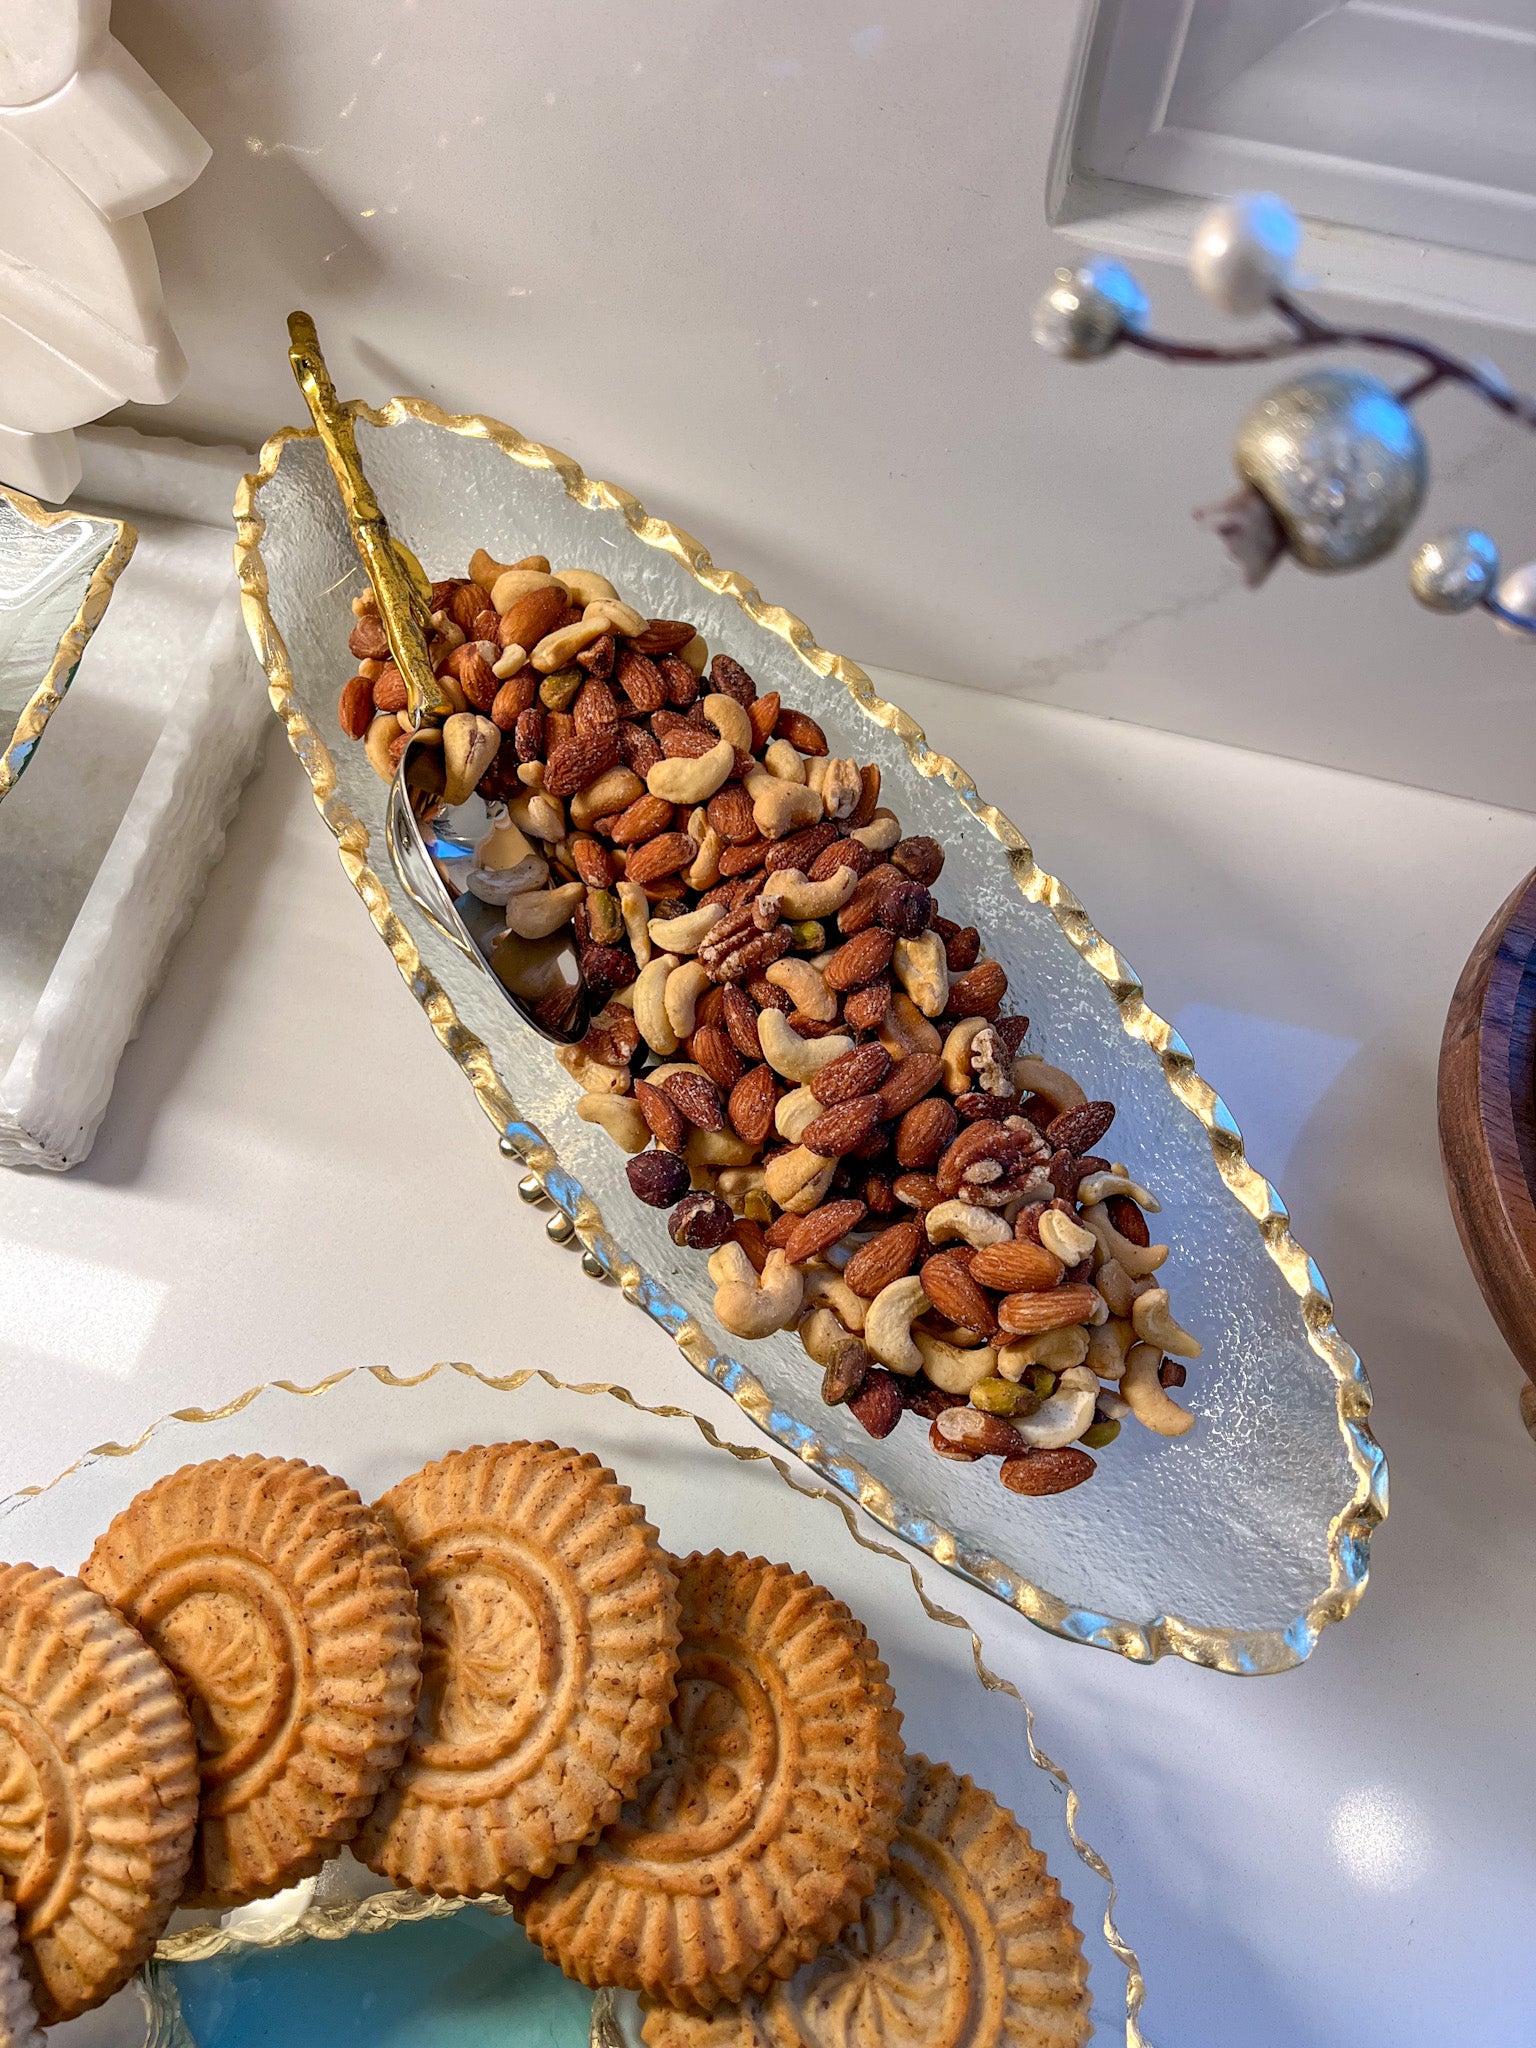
(1343, 1853)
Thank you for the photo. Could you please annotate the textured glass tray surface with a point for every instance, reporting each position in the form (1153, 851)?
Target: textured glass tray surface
(56, 574)
(1233, 1546)
(701, 1494)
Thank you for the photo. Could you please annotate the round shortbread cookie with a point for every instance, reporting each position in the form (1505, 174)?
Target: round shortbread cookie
(284, 1611)
(18, 2014)
(966, 1942)
(550, 1633)
(767, 1816)
(98, 1790)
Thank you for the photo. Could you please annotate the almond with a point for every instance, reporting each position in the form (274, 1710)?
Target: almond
(682, 685)
(978, 993)
(663, 636)
(644, 819)
(641, 681)
(962, 949)
(1075, 1130)
(842, 853)
(802, 732)
(354, 710)
(948, 1285)
(594, 706)
(665, 855)
(886, 1257)
(839, 1129)
(515, 696)
(985, 1145)
(1041, 1472)
(858, 913)
(473, 673)
(641, 750)
(744, 859)
(664, 1120)
(917, 1191)
(908, 1082)
(1128, 1220)
(711, 1049)
(979, 1434)
(764, 714)
(822, 1228)
(1025, 1315)
(877, 1404)
(598, 659)
(858, 1072)
(800, 849)
(534, 616)
(859, 960)
(869, 798)
(593, 862)
(752, 1102)
(576, 762)
(865, 1009)
(729, 810)
(924, 1132)
(389, 691)
(697, 1097)
(1018, 1266)
(369, 641)
(688, 741)
(740, 1014)
(730, 679)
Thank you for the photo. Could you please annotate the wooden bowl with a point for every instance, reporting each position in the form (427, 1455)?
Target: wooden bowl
(1488, 1119)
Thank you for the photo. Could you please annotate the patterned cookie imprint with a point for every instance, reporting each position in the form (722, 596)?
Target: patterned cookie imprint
(965, 1943)
(98, 1797)
(284, 1611)
(18, 2014)
(550, 1634)
(767, 1817)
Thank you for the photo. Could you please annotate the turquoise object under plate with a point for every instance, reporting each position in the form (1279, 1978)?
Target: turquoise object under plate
(473, 1980)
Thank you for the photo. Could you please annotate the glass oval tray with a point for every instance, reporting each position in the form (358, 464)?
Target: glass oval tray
(1233, 1547)
(702, 1492)
(57, 572)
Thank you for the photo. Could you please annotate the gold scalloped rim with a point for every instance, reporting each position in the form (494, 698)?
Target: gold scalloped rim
(1247, 1652)
(49, 694)
(370, 1915)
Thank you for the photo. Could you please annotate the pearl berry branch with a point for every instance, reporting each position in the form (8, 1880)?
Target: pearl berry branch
(1334, 466)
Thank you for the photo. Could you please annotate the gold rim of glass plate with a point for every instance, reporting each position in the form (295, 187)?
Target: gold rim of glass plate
(50, 692)
(388, 1909)
(1246, 1652)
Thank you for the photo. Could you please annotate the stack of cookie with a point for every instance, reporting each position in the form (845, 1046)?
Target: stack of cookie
(687, 1774)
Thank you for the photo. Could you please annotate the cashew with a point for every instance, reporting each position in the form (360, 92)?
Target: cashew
(556, 650)
(730, 720)
(888, 1324)
(919, 966)
(470, 745)
(531, 968)
(815, 767)
(512, 584)
(947, 1221)
(1150, 1402)
(1117, 1286)
(784, 808)
(717, 1148)
(800, 981)
(620, 1116)
(685, 985)
(796, 1058)
(636, 908)
(692, 779)
(1108, 1345)
(705, 871)
(650, 1009)
(784, 761)
(505, 865)
(799, 897)
(543, 816)
(538, 912)
(614, 790)
(798, 1180)
(687, 933)
(1135, 1259)
(585, 585)
(823, 1286)
(1112, 1406)
(382, 733)
(595, 1076)
(1065, 1415)
(1035, 1076)
(1054, 1349)
(615, 616)
(1065, 1237)
(503, 846)
(1154, 1324)
(821, 1333)
(957, 1054)
(749, 1304)
(880, 834)
(735, 1183)
(904, 1029)
(509, 661)
(794, 1111)
(949, 1367)
(841, 787)
(694, 654)
(1098, 1187)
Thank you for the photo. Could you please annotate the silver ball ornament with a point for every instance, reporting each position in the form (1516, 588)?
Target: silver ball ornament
(1454, 571)
(1516, 593)
(1341, 464)
(1244, 251)
(1087, 310)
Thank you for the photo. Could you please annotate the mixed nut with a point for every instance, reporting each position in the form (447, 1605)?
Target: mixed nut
(809, 1065)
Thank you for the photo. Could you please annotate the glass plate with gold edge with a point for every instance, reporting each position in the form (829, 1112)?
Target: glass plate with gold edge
(1233, 1546)
(222, 1975)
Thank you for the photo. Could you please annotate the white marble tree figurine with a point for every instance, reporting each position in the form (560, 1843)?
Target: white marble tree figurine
(87, 143)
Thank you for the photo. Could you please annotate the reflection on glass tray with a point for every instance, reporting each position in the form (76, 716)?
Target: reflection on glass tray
(57, 570)
(1233, 1547)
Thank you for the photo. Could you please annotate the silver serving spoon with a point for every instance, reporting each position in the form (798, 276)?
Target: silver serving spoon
(427, 840)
